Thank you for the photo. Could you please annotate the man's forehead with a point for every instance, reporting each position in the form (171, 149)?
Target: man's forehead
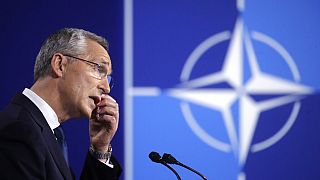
(98, 52)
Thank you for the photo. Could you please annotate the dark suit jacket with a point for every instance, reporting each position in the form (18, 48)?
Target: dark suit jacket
(29, 150)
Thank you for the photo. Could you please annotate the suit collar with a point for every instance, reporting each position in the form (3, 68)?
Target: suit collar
(48, 136)
(47, 111)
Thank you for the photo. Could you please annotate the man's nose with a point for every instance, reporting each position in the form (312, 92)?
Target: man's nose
(104, 86)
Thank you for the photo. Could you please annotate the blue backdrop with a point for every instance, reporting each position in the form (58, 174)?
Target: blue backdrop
(228, 87)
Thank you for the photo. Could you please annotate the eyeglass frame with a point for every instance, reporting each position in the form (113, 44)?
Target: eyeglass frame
(99, 67)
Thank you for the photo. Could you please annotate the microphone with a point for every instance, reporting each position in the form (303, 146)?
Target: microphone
(168, 158)
(155, 157)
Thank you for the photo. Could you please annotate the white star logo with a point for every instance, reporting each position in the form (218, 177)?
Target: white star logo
(221, 100)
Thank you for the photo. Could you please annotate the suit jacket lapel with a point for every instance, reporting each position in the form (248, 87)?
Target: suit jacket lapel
(48, 136)
(56, 153)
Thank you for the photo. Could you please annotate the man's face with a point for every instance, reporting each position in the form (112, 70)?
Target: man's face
(80, 87)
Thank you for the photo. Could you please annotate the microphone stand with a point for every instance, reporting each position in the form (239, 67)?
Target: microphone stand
(174, 171)
(168, 158)
(155, 157)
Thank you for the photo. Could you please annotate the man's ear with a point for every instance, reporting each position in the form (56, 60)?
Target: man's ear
(58, 64)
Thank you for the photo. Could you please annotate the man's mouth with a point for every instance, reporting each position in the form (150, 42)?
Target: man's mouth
(96, 99)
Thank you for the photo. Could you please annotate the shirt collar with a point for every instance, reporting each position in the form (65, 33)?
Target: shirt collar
(48, 113)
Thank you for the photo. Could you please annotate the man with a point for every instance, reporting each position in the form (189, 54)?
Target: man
(72, 76)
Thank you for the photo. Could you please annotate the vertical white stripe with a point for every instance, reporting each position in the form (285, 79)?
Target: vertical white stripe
(128, 58)
(240, 5)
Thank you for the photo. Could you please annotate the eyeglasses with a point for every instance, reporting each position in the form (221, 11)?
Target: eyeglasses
(100, 70)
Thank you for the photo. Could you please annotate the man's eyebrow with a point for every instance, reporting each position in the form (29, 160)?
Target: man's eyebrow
(107, 63)
(104, 62)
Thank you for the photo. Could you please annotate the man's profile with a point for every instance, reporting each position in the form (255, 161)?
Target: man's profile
(72, 79)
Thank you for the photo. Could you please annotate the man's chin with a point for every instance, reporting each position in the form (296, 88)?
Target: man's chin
(87, 113)
(90, 110)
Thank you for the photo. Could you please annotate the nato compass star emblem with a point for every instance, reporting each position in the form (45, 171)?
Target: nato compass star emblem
(196, 91)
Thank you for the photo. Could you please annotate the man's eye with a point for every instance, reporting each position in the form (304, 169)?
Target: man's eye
(99, 68)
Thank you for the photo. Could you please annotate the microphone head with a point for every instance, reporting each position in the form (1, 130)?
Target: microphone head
(168, 158)
(155, 157)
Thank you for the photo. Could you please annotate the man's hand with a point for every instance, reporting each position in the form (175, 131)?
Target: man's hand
(103, 123)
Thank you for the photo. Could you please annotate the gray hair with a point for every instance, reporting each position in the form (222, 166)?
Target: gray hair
(69, 41)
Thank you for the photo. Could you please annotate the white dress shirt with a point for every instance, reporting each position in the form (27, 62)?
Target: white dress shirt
(48, 113)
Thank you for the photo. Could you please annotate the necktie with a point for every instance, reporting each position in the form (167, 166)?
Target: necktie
(58, 132)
